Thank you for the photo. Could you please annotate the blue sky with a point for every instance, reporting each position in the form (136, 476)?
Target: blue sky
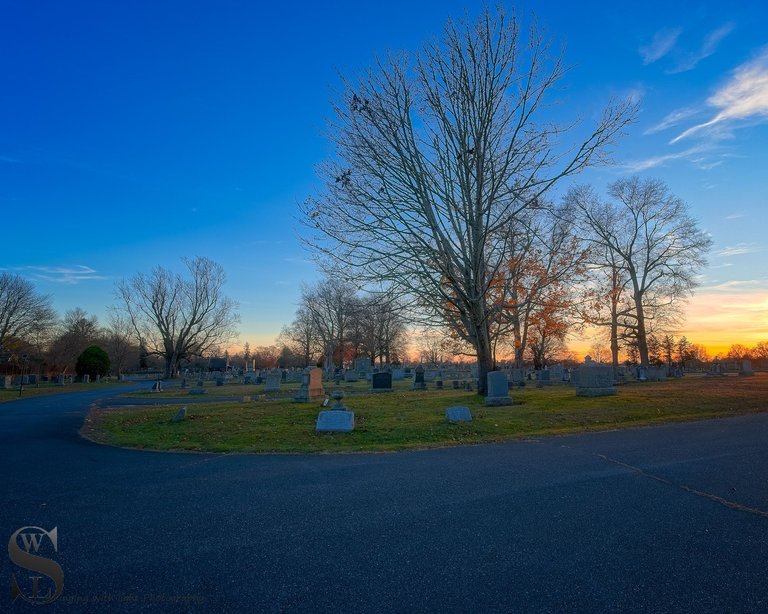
(134, 133)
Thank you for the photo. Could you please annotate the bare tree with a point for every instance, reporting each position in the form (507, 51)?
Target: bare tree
(76, 331)
(651, 240)
(23, 312)
(119, 341)
(179, 318)
(331, 304)
(302, 337)
(435, 159)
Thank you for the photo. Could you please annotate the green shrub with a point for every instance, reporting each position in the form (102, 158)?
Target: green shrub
(93, 361)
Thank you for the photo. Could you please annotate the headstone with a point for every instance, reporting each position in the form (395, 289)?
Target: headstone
(398, 374)
(335, 421)
(656, 374)
(439, 384)
(196, 391)
(556, 374)
(517, 377)
(157, 386)
(543, 378)
(418, 379)
(183, 382)
(59, 380)
(350, 376)
(338, 419)
(455, 384)
(458, 413)
(746, 368)
(98, 378)
(6, 381)
(273, 382)
(311, 386)
(381, 382)
(219, 381)
(498, 389)
(363, 365)
(595, 380)
(86, 379)
(200, 383)
(181, 415)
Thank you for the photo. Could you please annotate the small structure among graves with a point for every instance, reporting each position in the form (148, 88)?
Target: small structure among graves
(746, 368)
(338, 419)
(381, 382)
(311, 388)
(595, 380)
(272, 383)
(363, 365)
(418, 379)
(498, 389)
(458, 413)
(543, 378)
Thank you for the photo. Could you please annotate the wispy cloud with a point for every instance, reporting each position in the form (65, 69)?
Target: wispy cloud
(743, 97)
(734, 216)
(66, 274)
(661, 44)
(9, 160)
(734, 286)
(673, 118)
(708, 47)
(739, 249)
(697, 155)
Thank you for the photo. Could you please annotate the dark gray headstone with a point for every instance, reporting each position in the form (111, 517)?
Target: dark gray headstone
(181, 415)
(418, 379)
(458, 413)
(381, 382)
(198, 391)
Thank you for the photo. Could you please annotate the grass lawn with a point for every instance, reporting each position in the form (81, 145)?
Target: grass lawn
(406, 419)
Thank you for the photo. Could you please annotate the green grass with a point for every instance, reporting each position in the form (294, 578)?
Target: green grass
(405, 419)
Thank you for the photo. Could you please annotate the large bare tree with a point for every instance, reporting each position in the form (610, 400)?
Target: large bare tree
(437, 157)
(24, 313)
(650, 243)
(178, 317)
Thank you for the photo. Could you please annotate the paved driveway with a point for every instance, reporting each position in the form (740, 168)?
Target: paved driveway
(672, 518)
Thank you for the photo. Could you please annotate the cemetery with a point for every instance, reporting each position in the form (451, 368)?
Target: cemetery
(311, 414)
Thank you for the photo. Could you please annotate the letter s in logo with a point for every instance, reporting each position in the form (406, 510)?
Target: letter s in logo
(32, 539)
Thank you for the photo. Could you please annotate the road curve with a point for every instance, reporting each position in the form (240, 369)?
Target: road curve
(664, 519)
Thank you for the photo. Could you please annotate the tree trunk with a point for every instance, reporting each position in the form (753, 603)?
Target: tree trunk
(642, 339)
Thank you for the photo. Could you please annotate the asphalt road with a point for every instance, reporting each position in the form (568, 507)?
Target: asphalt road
(664, 519)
